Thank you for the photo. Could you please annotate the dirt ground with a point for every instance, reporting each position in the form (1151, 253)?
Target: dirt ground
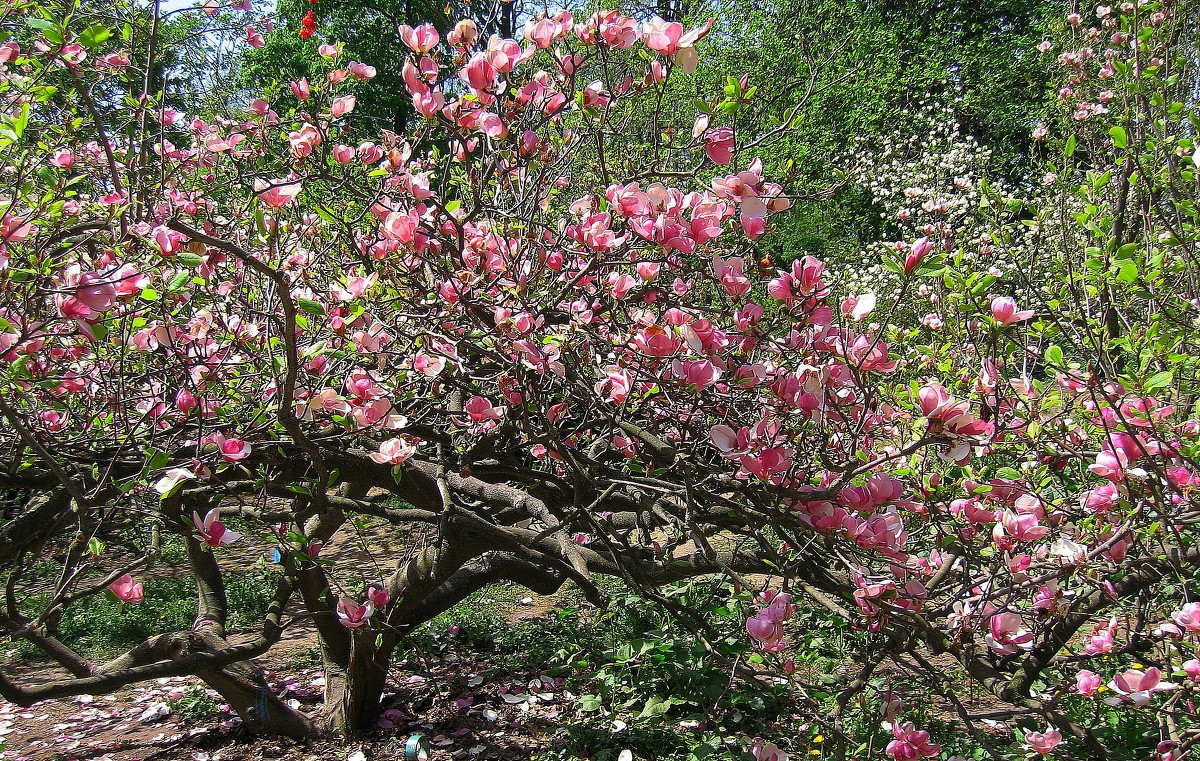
(463, 716)
(452, 697)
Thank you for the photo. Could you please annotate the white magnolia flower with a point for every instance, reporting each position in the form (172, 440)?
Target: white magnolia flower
(171, 480)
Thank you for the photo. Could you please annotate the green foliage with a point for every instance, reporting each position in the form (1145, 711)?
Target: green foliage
(671, 692)
(195, 704)
(528, 644)
(101, 626)
(865, 67)
(104, 626)
(368, 31)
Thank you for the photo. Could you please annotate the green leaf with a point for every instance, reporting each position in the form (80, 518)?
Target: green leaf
(656, 706)
(156, 459)
(591, 703)
(1119, 138)
(94, 36)
(1069, 148)
(1159, 380)
(41, 24)
(310, 306)
(1054, 356)
(189, 260)
(178, 280)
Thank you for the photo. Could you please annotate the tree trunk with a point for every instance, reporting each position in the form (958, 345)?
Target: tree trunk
(260, 709)
(353, 694)
(241, 684)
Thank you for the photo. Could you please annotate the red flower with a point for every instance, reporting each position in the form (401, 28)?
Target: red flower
(308, 25)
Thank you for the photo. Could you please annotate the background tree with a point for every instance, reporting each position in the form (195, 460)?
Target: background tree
(368, 30)
(977, 60)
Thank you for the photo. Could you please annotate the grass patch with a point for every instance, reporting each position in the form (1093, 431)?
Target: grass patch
(99, 627)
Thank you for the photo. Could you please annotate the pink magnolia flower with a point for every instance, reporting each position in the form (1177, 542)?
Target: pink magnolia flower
(115, 62)
(1188, 616)
(891, 707)
(766, 626)
(765, 751)
(662, 36)
(370, 153)
(361, 384)
(253, 38)
(733, 277)
(543, 32)
(1022, 527)
(304, 140)
(428, 104)
(96, 291)
(212, 531)
(420, 40)
(1110, 465)
(342, 105)
(276, 193)
(1043, 743)
(353, 615)
(464, 34)
(911, 743)
(1191, 667)
(616, 385)
(234, 449)
(127, 590)
(718, 144)
(695, 375)
(479, 74)
(378, 597)
(168, 241)
(1087, 682)
(1004, 311)
(361, 71)
(729, 441)
(1137, 687)
(1103, 639)
(480, 409)
(427, 365)
(767, 465)
(300, 88)
(394, 451)
(1007, 634)
(920, 249)
(53, 420)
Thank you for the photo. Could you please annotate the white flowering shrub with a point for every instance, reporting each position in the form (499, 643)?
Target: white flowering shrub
(932, 181)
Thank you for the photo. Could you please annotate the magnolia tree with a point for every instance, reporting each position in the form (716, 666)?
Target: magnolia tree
(531, 333)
